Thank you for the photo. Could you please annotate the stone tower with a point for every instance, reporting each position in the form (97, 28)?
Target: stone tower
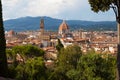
(42, 26)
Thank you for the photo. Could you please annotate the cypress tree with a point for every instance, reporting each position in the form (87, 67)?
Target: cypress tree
(3, 59)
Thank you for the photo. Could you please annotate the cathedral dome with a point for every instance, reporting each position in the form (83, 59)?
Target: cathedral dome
(63, 28)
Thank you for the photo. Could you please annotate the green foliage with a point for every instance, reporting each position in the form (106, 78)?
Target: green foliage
(96, 67)
(59, 46)
(25, 52)
(73, 65)
(28, 51)
(9, 53)
(11, 71)
(70, 56)
(33, 69)
(101, 5)
(11, 56)
(73, 74)
(67, 60)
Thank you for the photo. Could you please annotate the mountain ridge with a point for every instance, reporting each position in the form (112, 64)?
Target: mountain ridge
(33, 23)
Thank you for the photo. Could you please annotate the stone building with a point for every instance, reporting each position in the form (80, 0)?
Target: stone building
(46, 36)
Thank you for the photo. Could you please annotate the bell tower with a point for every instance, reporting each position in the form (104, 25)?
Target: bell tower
(42, 26)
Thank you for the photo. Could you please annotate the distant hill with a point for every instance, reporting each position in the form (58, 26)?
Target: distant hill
(33, 23)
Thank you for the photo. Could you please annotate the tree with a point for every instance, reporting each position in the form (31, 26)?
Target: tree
(3, 59)
(59, 45)
(105, 5)
(72, 64)
(69, 56)
(20, 54)
(67, 60)
(10, 55)
(94, 66)
(28, 51)
(33, 69)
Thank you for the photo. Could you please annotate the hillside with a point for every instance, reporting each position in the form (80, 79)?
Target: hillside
(33, 23)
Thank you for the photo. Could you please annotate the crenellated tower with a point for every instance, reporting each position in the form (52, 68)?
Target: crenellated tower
(42, 26)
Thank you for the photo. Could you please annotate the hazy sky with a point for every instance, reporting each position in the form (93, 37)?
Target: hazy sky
(62, 9)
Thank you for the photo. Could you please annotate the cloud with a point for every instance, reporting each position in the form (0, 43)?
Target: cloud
(10, 3)
(18, 8)
(65, 9)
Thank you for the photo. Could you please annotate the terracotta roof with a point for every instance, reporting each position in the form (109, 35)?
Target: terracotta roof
(11, 32)
(10, 45)
(82, 39)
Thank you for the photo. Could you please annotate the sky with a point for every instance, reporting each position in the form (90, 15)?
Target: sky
(61, 9)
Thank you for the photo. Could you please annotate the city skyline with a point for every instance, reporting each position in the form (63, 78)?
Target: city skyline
(62, 9)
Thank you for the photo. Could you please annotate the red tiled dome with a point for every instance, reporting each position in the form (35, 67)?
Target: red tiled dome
(63, 26)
